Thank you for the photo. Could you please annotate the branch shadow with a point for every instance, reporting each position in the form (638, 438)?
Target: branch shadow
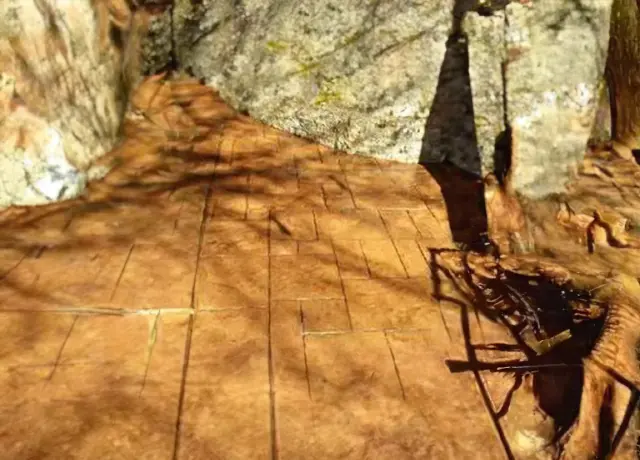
(136, 192)
(557, 377)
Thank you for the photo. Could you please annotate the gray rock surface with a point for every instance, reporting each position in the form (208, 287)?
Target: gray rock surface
(551, 86)
(358, 76)
(556, 52)
(380, 78)
(487, 53)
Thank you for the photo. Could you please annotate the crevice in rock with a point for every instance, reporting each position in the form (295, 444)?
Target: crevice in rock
(157, 10)
(502, 156)
(173, 56)
(489, 7)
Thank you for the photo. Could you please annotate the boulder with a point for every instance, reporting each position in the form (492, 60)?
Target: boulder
(61, 98)
(552, 54)
(395, 80)
(66, 73)
(356, 76)
(556, 56)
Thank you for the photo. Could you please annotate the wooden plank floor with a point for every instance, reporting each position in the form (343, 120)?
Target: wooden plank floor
(280, 308)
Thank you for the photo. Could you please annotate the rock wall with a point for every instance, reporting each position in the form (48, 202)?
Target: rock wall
(423, 81)
(537, 78)
(477, 83)
(556, 56)
(536, 73)
(358, 76)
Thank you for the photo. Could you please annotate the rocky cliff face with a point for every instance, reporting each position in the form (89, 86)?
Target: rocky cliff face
(455, 80)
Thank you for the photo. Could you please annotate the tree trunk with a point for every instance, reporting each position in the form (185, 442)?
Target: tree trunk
(623, 75)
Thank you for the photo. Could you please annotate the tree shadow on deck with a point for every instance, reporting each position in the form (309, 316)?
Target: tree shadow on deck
(450, 140)
(451, 154)
(450, 150)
